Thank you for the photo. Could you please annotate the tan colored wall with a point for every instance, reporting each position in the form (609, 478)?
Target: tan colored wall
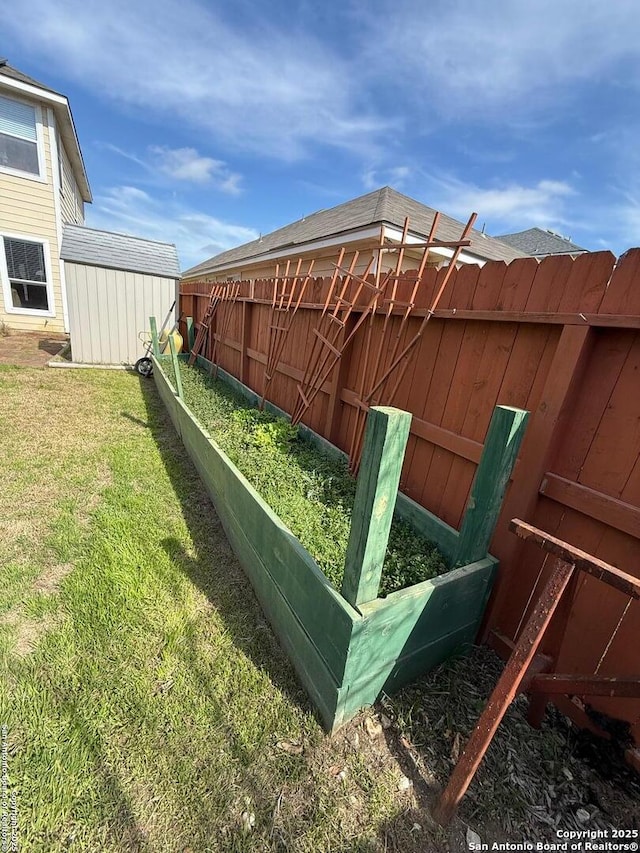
(324, 266)
(71, 202)
(27, 208)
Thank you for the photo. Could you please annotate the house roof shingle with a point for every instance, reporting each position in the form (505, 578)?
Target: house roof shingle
(90, 246)
(538, 243)
(14, 74)
(384, 206)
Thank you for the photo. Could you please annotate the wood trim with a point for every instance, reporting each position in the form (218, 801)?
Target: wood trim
(467, 448)
(285, 369)
(602, 507)
(618, 321)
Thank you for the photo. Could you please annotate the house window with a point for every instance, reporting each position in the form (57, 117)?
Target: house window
(27, 275)
(19, 137)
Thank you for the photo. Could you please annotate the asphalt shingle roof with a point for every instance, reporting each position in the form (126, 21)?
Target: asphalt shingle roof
(10, 71)
(90, 246)
(385, 205)
(536, 242)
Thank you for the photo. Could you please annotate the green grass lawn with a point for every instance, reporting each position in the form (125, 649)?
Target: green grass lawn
(148, 704)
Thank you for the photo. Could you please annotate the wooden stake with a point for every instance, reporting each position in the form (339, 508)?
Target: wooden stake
(176, 367)
(384, 447)
(154, 336)
(499, 455)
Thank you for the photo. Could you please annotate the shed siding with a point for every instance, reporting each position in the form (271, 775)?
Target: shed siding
(27, 207)
(108, 308)
(71, 202)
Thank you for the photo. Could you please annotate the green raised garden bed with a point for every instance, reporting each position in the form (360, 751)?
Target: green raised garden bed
(350, 645)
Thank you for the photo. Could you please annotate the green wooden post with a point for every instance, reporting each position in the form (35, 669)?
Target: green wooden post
(191, 334)
(501, 447)
(385, 442)
(154, 336)
(176, 366)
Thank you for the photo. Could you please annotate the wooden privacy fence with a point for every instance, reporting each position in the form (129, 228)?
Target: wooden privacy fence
(560, 338)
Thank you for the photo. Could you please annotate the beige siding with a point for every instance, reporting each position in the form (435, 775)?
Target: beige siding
(108, 308)
(324, 266)
(27, 208)
(71, 202)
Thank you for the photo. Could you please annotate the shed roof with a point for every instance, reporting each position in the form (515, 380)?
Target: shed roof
(384, 206)
(90, 246)
(536, 242)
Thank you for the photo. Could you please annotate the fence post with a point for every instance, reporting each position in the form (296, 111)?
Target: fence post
(176, 367)
(154, 336)
(385, 442)
(499, 454)
(191, 333)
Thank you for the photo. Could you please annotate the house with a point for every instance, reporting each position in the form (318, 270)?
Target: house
(540, 244)
(359, 225)
(43, 185)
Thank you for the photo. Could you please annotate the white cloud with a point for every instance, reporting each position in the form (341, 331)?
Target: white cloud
(197, 236)
(503, 206)
(467, 57)
(185, 164)
(394, 176)
(252, 85)
(182, 164)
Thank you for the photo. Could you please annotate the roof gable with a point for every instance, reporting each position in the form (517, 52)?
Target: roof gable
(383, 206)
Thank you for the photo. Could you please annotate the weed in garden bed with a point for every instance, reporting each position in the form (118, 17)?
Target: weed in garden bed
(311, 492)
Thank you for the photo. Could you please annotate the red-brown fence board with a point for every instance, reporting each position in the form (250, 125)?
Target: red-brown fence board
(559, 337)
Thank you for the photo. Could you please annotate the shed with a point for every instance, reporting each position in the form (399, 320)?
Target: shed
(114, 283)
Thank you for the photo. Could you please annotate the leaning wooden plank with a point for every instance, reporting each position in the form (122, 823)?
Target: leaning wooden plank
(505, 691)
(580, 559)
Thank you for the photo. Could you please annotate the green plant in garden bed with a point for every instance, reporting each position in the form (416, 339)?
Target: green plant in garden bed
(311, 492)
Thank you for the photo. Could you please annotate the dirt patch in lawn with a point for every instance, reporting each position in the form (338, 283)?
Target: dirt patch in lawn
(27, 631)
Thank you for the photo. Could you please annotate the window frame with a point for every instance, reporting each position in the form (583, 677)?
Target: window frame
(9, 307)
(41, 177)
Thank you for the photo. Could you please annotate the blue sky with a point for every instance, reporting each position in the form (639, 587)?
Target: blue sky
(205, 123)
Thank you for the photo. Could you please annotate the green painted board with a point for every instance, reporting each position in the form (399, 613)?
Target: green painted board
(399, 625)
(385, 441)
(499, 455)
